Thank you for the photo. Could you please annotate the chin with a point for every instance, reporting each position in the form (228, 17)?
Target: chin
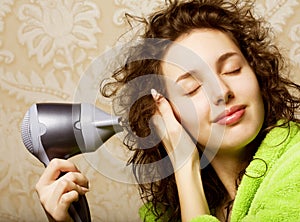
(238, 139)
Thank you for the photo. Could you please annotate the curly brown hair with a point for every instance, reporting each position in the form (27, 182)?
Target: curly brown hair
(137, 107)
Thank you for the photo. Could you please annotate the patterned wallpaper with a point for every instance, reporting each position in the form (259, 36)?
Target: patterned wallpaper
(45, 48)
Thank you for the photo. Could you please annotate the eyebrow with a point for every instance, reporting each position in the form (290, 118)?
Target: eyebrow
(219, 62)
(225, 56)
(182, 77)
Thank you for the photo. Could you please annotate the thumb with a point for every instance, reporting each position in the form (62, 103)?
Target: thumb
(164, 108)
(177, 142)
(165, 111)
(165, 122)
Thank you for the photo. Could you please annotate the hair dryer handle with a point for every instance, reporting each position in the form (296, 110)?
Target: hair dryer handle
(79, 210)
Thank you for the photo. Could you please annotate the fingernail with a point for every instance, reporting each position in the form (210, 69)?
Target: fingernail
(155, 94)
(84, 189)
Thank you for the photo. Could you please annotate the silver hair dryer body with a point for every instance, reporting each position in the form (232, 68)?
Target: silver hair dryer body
(62, 130)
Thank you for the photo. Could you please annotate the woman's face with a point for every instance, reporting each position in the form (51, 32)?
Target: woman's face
(221, 86)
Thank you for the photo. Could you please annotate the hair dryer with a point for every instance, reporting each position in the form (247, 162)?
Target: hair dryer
(62, 130)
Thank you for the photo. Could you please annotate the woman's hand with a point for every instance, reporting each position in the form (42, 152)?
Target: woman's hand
(57, 192)
(185, 160)
(176, 140)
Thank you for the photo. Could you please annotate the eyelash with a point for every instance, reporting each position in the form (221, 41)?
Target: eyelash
(191, 93)
(234, 71)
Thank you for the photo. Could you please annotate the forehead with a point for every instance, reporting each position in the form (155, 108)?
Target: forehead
(199, 49)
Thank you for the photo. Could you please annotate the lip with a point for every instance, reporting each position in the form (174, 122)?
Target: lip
(231, 116)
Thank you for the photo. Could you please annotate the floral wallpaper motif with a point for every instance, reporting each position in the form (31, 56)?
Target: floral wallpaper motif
(294, 35)
(133, 7)
(58, 31)
(46, 46)
(277, 12)
(5, 8)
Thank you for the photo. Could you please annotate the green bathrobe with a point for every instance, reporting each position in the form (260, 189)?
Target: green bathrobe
(270, 190)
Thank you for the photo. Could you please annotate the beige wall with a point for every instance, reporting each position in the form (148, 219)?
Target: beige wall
(45, 47)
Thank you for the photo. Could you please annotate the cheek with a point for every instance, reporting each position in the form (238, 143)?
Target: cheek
(249, 84)
(253, 93)
(249, 92)
(194, 118)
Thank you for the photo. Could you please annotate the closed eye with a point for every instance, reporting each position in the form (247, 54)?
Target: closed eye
(193, 91)
(234, 71)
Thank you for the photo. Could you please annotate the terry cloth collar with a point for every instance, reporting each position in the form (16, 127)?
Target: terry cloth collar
(276, 142)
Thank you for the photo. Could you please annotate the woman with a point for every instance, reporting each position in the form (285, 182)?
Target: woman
(241, 127)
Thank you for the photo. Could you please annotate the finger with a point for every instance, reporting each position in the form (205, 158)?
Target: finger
(169, 122)
(77, 178)
(55, 168)
(176, 134)
(164, 108)
(63, 186)
(60, 212)
(167, 126)
(68, 198)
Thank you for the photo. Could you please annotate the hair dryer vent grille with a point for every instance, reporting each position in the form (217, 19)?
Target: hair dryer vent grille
(26, 133)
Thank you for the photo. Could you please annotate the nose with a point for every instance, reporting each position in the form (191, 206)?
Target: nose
(223, 93)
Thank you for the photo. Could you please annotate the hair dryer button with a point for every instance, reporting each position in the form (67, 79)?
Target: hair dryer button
(42, 129)
(77, 125)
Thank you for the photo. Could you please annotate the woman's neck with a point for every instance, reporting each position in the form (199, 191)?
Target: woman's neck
(230, 165)
(228, 170)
